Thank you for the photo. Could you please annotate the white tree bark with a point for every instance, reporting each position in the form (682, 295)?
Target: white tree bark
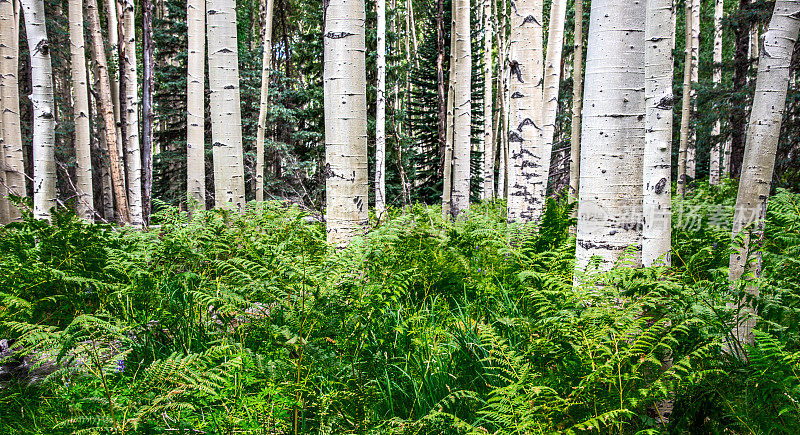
(133, 161)
(759, 155)
(577, 103)
(113, 12)
(691, 150)
(487, 189)
(226, 110)
(612, 138)
(344, 76)
(44, 159)
(462, 108)
(714, 157)
(380, 112)
(656, 163)
(686, 99)
(195, 104)
(11, 134)
(80, 107)
(525, 111)
(266, 57)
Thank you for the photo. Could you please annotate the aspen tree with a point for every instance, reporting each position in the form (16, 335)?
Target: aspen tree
(133, 161)
(226, 111)
(487, 189)
(763, 133)
(447, 160)
(577, 103)
(714, 156)
(266, 57)
(657, 157)
(195, 101)
(462, 108)
(10, 132)
(380, 112)
(44, 124)
(344, 81)
(686, 107)
(691, 150)
(612, 137)
(503, 80)
(80, 107)
(148, 116)
(113, 13)
(525, 87)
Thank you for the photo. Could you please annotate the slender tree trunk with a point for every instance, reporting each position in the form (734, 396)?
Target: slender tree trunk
(83, 150)
(441, 126)
(738, 111)
(462, 108)
(577, 104)
(106, 108)
(262, 113)
(133, 162)
(525, 85)
(380, 112)
(148, 84)
(656, 194)
(44, 158)
(503, 80)
(447, 158)
(763, 134)
(691, 150)
(226, 111)
(195, 104)
(116, 77)
(686, 106)
(714, 157)
(344, 76)
(612, 143)
(9, 106)
(487, 190)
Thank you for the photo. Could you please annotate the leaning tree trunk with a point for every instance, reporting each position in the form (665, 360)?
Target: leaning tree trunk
(657, 158)
(612, 139)
(344, 76)
(380, 112)
(714, 156)
(226, 111)
(686, 106)
(44, 155)
(462, 108)
(10, 131)
(195, 102)
(106, 108)
(133, 161)
(525, 86)
(80, 107)
(763, 134)
(577, 103)
(262, 113)
(487, 189)
(148, 85)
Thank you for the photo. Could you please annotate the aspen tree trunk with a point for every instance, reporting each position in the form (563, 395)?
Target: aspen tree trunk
(262, 113)
(714, 157)
(447, 159)
(44, 158)
(552, 82)
(380, 112)
(503, 80)
(763, 134)
(4, 203)
(525, 111)
(115, 75)
(195, 104)
(441, 127)
(577, 104)
(487, 189)
(148, 85)
(691, 150)
(226, 111)
(106, 108)
(612, 143)
(344, 76)
(9, 106)
(133, 162)
(656, 193)
(462, 108)
(686, 107)
(83, 150)
(738, 112)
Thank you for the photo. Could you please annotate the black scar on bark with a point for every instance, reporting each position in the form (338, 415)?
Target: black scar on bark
(43, 47)
(338, 35)
(660, 186)
(229, 87)
(514, 137)
(515, 71)
(527, 121)
(531, 19)
(517, 94)
(666, 103)
(226, 50)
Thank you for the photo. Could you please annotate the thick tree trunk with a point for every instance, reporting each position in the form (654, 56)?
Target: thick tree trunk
(106, 108)
(686, 107)
(266, 57)
(577, 103)
(10, 132)
(195, 104)
(44, 156)
(738, 111)
(763, 134)
(380, 112)
(714, 157)
(612, 142)
(656, 193)
(525, 114)
(148, 84)
(133, 161)
(344, 75)
(226, 111)
(487, 189)
(462, 107)
(83, 150)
